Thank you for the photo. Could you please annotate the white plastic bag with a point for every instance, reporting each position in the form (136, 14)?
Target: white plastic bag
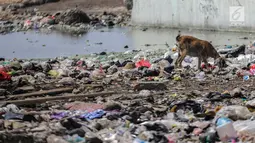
(246, 127)
(234, 112)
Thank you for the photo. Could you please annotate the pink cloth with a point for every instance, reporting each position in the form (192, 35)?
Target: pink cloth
(89, 107)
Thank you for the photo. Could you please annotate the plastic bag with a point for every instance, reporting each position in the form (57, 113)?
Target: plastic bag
(10, 115)
(9, 108)
(47, 20)
(66, 63)
(175, 55)
(46, 66)
(75, 139)
(143, 63)
(252, 69)
(28, 24)
(5, 68)
(234, 112)
(129, 65)
(209, 66)
(188, 59)
(27, 66)
(67, 81)
(98, 74)
(63, 72)
(140, 55)
(55, 139)
(95, 114)
(171, 138)
(246, 127)
(81, 65)
(200, 76)
(164, 63)
(168, 53)
(60, 115)
(40, 76)
(4, 76)
(53, 73)
(59, 73)
(169, 123)
(137, 140)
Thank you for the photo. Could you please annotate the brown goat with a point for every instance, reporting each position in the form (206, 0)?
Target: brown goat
(194, 47)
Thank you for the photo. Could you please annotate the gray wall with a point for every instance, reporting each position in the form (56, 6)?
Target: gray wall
(195, 14)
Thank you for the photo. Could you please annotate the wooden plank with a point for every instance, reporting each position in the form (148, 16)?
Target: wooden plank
(151, 85)
(64, 97)
(40, 93)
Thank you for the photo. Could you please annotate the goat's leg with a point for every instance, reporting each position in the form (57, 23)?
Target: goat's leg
(206, 63)
(183, 55)
(177, 60)
(199, 63)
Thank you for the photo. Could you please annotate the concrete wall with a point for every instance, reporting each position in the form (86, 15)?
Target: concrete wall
(197, 14)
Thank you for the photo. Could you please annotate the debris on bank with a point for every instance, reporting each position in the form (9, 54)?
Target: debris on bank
(72, 21)
(132, 97)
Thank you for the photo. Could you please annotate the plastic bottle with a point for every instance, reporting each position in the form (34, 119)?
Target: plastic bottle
(225, 129)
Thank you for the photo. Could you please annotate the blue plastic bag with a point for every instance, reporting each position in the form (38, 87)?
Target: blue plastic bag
(95, 114)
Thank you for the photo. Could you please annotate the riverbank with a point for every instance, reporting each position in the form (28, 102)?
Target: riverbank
(62, 15)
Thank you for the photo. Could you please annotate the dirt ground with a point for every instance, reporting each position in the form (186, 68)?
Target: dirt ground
(86, 5)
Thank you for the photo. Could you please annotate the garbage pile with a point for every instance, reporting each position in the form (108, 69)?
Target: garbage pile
(72, 16)
(131, 97)
(74, 21)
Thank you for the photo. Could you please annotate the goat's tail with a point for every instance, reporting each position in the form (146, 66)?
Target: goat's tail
(178, 37)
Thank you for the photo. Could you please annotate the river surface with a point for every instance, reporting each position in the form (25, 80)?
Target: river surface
(35, 44)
